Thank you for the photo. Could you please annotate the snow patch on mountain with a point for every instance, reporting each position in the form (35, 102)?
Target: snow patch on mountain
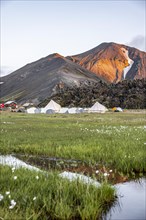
(130, 61)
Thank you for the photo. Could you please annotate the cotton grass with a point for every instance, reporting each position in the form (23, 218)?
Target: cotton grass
(51, 196)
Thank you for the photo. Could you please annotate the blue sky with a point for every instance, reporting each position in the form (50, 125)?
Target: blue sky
(34, 29)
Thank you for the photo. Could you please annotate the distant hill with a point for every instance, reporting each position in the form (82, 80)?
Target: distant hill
(108, 63)
(109, 60)
(39, 79)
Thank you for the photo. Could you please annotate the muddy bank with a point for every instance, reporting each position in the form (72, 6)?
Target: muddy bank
(98, 171)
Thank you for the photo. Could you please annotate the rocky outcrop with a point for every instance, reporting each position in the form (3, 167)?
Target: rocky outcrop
(126, 94)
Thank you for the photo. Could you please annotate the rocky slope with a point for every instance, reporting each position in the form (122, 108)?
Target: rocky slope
(113, 62)
(38, 80)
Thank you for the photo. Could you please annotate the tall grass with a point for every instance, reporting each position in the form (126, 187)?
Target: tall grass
(116, 140)
(48, 196)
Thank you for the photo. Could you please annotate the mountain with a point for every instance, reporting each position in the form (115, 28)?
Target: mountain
(39, 79)
(107, 63)
(113, 62)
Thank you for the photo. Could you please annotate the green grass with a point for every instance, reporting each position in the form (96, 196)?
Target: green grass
(116, 140)
(50, 196)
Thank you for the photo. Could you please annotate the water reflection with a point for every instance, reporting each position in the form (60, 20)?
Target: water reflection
(131, 203)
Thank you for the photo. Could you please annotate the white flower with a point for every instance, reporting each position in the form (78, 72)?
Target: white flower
(15, 177)
(97, 171)
(13, 169)
(145, 143)
(37, 177)
(34, 198)
(110, 171)
(11, 207)
(105, 174)
(7, 193)
(1, 197)
(13, 203)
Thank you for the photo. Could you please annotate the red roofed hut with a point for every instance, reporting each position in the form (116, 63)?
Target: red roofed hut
(11, 104)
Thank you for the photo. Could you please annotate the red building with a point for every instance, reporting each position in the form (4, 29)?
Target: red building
(2, 105)
(11, 104)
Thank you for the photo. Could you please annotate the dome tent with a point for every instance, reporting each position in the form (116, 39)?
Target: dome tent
(63, 110)
(72, 110)
(50, 111)
(33, 110)
(117, 109)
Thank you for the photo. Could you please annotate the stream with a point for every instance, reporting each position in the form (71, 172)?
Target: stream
(131, 201)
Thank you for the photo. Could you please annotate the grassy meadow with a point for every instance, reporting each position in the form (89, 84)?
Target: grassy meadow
(40, 196)
(113, 141)
(116, 140)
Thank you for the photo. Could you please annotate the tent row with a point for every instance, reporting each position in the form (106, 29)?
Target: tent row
(34, 110)
(53, 107)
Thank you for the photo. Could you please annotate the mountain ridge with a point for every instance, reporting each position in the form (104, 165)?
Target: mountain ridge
(40, 79)
(108, 61)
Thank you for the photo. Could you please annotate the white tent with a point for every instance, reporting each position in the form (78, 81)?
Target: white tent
(50, 111)
(33, 110)
(97, 107)
(63, 110)
(51, 105)
(80, 110)
(119, 109)
(43, 110)
(72, 110)
(86, 110)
